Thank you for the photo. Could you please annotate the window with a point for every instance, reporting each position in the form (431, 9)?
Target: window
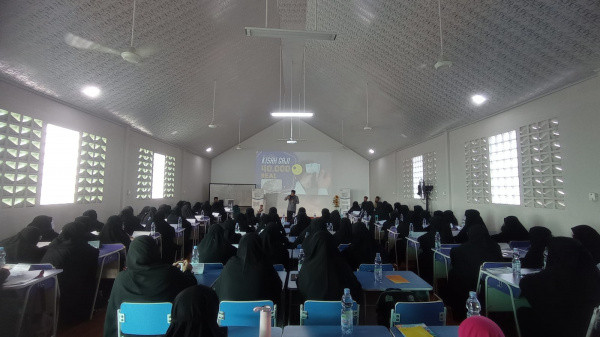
(158, 176)
(430, 172)
(90, 175)
(541, 162)
(169, 189)
(417, 174)
(478, 171)
(407, 187)
(504, 169)
(144, 174)
(61, 150)
(20, 145)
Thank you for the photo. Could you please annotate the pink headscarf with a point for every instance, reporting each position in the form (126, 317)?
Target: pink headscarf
(479, 326)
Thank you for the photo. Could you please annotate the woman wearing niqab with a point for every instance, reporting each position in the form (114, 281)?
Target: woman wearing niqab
(146, 279)
(511, 230)
(214, 248)
(325, 274)
(22, 247)
(249, 275)
(79, 262)
(563, 295)
(194, 314)
(44, 224)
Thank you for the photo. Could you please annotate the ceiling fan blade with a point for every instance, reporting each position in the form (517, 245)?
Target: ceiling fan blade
(81, 43)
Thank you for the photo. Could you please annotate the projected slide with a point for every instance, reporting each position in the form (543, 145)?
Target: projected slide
(309, 173)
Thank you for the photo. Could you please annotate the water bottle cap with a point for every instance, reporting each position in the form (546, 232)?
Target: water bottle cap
(195, 247)
(472, 294)
(346, 291)
(377, 255)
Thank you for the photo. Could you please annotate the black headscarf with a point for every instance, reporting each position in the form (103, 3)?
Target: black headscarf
(450, 218)
(94, 223)
(88, 226)
(146, 279)
(466, 260)
(167, 233)
(362, 249)
(563, 295)
(249, 275)
(130, 221)
(250, 217)
(214, 248)
(79, 262)
(229, 231)
(316, 225)
(344, 234)
(142, 215)
(472, 217)
(511, 230)
(186, 211)
(113, 232)
(165, 208)
(22, 247)
(589, 238)
(303, 221)
(325, 274)
(335, 219)
(44, 224)
(194, 314)
(355, 207)
(150, 217)
(539, 237)
(197, 207)
(275, 245)
(437, 224)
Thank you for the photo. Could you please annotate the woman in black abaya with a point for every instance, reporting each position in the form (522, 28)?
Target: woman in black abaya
(511, 230)
(427, 242)
(589, 238)
(146, 279)
(214, 248)
(325, 274)
(79, 262)
(335, 219)
(113, 232)
(362, 250)
(130, 221)
(275, 245)
(44, 224)
(563, 295)
(22, 248)
(539, 237)
(94, 223)
(355, 207)
(167, 233)
(194, 314)
(344, 234)
(472, 217)
(302, 222)
(249, 275)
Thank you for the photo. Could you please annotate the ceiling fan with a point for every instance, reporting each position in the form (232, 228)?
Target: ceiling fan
(239, 146)
(212, 124)
(292, 140)
(367, 128)
(131, 55)
(441, 63)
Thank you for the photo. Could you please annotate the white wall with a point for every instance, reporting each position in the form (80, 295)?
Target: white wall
(577, 109)
(121, 162)
(350, 169)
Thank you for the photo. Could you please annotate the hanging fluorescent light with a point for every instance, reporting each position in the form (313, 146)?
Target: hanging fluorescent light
(290, 34)
(292, 114)
(292, 141)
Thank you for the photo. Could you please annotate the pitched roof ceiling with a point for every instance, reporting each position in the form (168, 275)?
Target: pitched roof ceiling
(510, 51)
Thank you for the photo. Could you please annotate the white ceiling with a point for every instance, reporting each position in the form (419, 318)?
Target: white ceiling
(511, 51)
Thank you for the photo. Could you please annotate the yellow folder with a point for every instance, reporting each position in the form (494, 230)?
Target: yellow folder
(397, 279)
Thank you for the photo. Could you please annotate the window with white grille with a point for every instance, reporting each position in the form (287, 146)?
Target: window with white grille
(504, 169)
(417, 175)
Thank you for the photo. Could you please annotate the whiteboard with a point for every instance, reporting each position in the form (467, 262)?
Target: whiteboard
(240, 193)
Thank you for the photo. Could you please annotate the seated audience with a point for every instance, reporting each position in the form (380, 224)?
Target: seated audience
(472, 217)
(344, 234)
(302, 222)
(95, 225)
(275, 245)
(214, 248)
(437, 224)
(249, 275)
(511, 230)
(562, 296)
(22, 247)
(590, 239)
(130, 221)
(194, 314)
(113, 232)
(146, 279)
(46, 226)
(539, 237)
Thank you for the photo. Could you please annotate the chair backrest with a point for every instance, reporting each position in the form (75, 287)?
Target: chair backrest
(519, 244)
(594, 328)
(213, 266)
(430, 313)
(241, 313)
(279, 267)
(325, 313)
(145, 319)
(371, 267)
(343, 246)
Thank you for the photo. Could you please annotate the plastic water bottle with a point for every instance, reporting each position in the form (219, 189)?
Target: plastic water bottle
(411, 228)
(438, 241)
(376, 218)
(545, 257)
(378, 269)
(401, 217)
(152, 229)
(179, 223)
(237, 227)
(300, 258)
(2, 257)
(282, 220)
(202, 214)
(424, 223)
(195, 255)
(397, 223)
(473, 305)
(516, 264)
(219, 218)
(347, 314)
(295, 220)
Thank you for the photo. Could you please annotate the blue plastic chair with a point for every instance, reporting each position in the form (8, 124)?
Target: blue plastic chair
(213, 266)
(241, 313)
(430, 313)
(343, 246)
(371, 267)
(325, 313)
(519, 244)
(143, 319)
(279, 267)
